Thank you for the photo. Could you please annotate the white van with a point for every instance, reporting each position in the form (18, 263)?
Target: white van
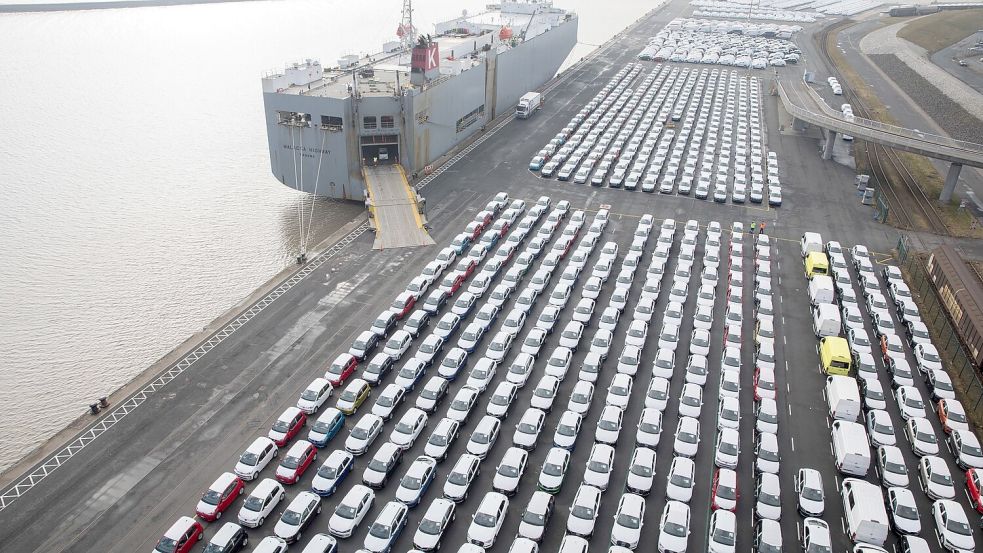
(826, 320)
(863, 509)
(843, 397)
(810, 242)
(851, 449)
(821, 290)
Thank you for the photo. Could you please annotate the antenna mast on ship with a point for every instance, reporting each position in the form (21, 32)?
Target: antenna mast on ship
(406, 31)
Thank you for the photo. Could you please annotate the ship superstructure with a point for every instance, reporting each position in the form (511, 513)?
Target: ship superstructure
(409, 105)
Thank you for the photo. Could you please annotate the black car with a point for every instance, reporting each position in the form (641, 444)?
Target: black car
(230, 538)
(377, 369)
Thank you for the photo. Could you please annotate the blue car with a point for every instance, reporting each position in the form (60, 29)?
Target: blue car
(333, 472)
(537, 163)
(453, 362)
(461, 243)
(326, 427)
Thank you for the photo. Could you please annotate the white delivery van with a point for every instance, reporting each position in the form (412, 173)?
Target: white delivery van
(843, 397)
(851, 449)
(821, 289)
(810, 242)
(826, 320)
(863, 509)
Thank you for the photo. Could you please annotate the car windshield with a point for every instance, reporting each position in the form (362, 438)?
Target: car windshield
(906, 511)
(958, 527)
(407, 372)
(914, 402)
(543, 392)
(768, 499)
(628, 521)
(348, 395)
(723, 536)
(681, 480)
(692, 401)
(290, 462)
(553, 469)
(941, 478)
(380, 531)
(598, 466)
(470, 336)
(927, 437)
(253, 503)
(537, 519)
(726, 492)
(619, 391)
(606, 424)
(674, 529)
(767, 454)
(404, 428)
(479, 438)
(379, 465)
(533, 340)
(812, 494)
(166, 545)
(500, 400)
(895, 468)
(310, 395)
(281, 426)
(431, 527)
(689, 438)
(212, 497)
(445, 324)
(485, 519)
(384, 400)
(411, 482)
(449, 363)
(292, 518)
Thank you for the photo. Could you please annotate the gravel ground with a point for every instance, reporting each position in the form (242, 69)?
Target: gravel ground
(956, 121)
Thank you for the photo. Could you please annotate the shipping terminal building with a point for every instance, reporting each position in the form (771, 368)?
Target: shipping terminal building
(354, 131)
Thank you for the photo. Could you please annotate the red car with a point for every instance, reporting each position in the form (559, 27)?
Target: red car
(484, 218)
(403, 304)
(475, 228)
(469, 265)
(503, 228)
(341, 369)
(974, 486)
(724, 491)
(180, 537)
(287, 426)
(452, 282)
(223, 491)
(295, 462)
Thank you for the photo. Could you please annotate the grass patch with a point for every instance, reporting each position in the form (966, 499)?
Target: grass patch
(941, 30)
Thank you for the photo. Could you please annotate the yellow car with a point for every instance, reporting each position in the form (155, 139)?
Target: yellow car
(353, 396)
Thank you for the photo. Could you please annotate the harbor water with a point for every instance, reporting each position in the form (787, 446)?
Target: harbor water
(136, 200)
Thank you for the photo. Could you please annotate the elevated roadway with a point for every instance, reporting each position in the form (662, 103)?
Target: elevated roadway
(805, 105)
(393, 208)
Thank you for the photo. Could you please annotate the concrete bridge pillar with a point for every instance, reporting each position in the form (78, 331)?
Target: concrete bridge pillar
(828, 147)
(951, 178)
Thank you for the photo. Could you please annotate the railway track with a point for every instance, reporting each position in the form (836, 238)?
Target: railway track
(911, 206)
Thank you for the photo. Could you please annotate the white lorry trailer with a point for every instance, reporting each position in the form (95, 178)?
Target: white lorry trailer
(528, 103)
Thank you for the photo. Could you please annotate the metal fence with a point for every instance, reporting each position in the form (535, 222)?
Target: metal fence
(964, 374)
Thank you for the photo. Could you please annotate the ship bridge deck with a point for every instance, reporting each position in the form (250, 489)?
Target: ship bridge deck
(393, 207)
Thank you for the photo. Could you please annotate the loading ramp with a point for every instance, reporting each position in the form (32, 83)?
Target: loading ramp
(394, 209)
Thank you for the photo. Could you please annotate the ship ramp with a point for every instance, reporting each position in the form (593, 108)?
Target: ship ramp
(394, 209)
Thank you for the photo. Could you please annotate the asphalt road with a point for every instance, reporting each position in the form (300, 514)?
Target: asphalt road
(125, 489)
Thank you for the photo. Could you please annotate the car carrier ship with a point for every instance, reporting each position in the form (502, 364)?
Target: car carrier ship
(357, 129)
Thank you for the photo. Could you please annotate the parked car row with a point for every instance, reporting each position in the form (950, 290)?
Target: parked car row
(853, 389)
(628, 138)
(723, 45)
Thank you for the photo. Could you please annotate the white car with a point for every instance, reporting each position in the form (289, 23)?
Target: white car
(509, 471)
(408, 428)
(460, 478)
(261, 502)
(727, 448)
(580, 397)
(609, 425)
(619, 391)
(601, 343)
(351, 511)
(609, 318)
(304, 507)
(434, 523)
(721, 536)
(583, 511)
(545, 393)
(687, 438)
(669, 337)
(314, 396)
(488, 519)
(600, 463)
(584, 310)
(398, 344)
(965, 447)
(809, 489)
(441, 439)
(690, 401)
(891, 466)
(431, 394)
(637, 333)
(559, 362)
(681, 481)
(528, 428)
(657, 396)
(921, 437)
(533, 342)
(592, 288)
(649, 428)
(567, 430)
(935, 478)
(363, 434)
(674, 527)
(520, 369)
(554, 471)
(901, 507)
(536, 516)
(628, 521)
(699, 344)
(482, 374)
(880, 429)
(501, 400)
(768, 497)
(952, 527)
(255, 458)
(462, 404)
(728, 413)
(410, 373)
(484, 436)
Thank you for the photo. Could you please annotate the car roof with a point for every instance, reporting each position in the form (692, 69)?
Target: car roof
(179, 527)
